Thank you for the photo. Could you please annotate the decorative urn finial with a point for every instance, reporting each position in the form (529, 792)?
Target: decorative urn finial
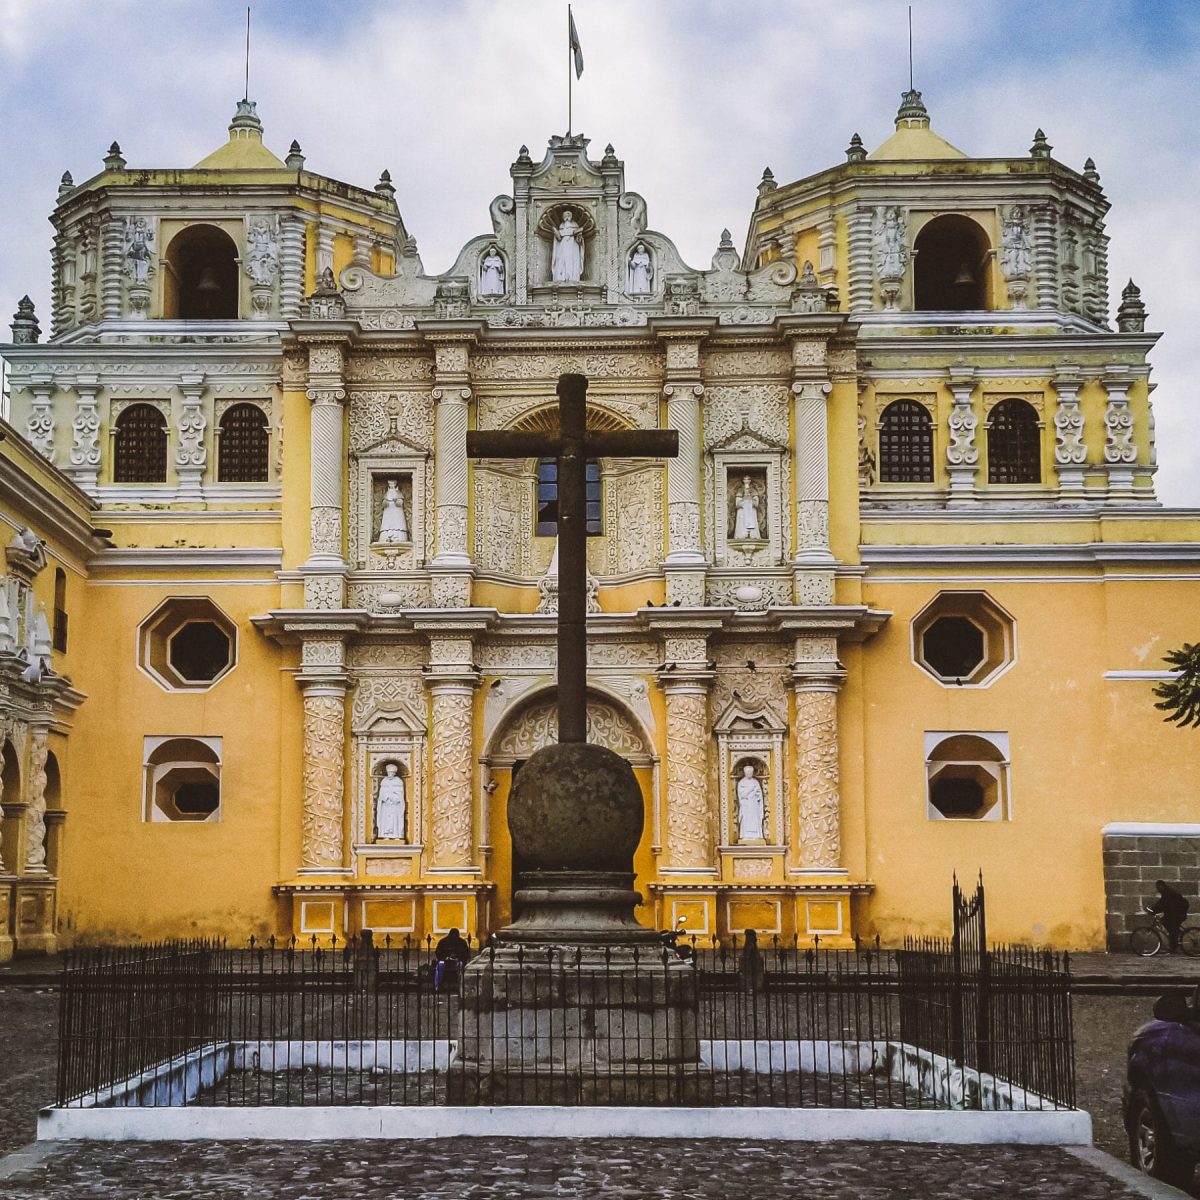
(767, 184)
(912, 110)
(384, 186)
(1040, 148)
(113, 160)
(65, 184)
(295, 156)
(1131, 315)
(1090, 173)
(25, 329)
(856, 151)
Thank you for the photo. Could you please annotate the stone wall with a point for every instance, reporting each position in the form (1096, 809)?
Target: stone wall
(1132, 862)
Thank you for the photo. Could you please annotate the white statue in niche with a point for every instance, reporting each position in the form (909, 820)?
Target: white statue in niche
(1016, 258)
(491, 273)
(747, 523)
(566, 265)
(392, 525)
(263, 257)
(751, 807)
(390, 807)
(641, 271)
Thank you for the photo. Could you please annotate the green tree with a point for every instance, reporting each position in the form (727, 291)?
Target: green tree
(1179, 698)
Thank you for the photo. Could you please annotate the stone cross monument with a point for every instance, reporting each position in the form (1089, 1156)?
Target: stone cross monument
(575, 811)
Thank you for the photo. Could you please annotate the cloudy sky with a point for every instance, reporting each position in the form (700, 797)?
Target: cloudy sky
(697, 96)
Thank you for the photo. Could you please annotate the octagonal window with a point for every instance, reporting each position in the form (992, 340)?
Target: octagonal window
(967, 776)
(963, 639)
(187, 644)
(199, 651)
(182, 779)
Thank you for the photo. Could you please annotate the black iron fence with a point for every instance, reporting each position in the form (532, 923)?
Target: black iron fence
(363, 1023)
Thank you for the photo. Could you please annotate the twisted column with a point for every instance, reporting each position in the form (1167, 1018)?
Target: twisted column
(450, 475)
(112, 245)
(35, 812)
(683, 475)
(812, 471)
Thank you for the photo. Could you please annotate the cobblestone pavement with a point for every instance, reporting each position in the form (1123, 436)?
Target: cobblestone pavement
(486, 1169)
(29, 1033)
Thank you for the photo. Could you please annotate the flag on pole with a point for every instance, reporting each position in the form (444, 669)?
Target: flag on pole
(573, 41)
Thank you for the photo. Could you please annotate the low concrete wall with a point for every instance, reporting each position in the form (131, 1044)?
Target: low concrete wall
(782, 1124)
(1135, 855)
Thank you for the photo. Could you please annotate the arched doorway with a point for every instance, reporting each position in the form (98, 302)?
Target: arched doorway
(532, 724)
(201, 282)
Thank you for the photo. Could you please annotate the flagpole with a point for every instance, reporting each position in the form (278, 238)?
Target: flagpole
(569, 81)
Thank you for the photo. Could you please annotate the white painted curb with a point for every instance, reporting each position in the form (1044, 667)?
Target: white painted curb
(322, 1122)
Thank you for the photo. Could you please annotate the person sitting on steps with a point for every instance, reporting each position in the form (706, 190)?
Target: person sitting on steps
(451, 953)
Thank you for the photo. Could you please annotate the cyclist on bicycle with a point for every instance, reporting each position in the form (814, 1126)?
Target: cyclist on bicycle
(1173, 907)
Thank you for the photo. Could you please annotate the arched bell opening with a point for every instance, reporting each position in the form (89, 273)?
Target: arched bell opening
(950, 270)
(202, 275)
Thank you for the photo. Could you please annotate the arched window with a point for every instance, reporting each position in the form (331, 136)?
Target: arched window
(1014, 443)
(950, 267)
(905, 443)
(202, 275)
(140, 446)
(547, 498)
(60, 610)
(182, 779)
(243, 447)
(967, 777)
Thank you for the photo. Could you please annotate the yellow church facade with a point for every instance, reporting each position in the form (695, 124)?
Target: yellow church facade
(272, 648)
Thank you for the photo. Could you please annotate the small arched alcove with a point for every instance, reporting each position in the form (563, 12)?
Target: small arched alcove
(10, 794)
(54, 813)
(202, 275)
(950, 267)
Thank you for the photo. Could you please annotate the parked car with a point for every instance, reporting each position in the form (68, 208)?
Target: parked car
(1162, 1091)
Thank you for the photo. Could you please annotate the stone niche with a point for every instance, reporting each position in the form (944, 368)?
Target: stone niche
(372, 475)
(747, 499)
(751, 735)
(389, 736)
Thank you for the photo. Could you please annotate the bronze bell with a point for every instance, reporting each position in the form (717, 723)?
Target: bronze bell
(208, 281)
(965, 275)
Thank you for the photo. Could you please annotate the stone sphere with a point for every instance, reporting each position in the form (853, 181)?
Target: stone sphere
(576, 807)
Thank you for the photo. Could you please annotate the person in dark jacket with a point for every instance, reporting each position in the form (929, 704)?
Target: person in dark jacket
(1173, 906)
(451, 954)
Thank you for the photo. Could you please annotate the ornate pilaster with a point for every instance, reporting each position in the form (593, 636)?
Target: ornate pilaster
(291, 267)
(1120, 448)
(452, 681)
(326, 567)
(112, 249)
(688, 824)
(451, 563)
(859, 265)
(1045, 255)
(962, 454)
(1070, 449)
(685, 561)
(191, 454)
(325, 237)
(40, 427)
(817, 677)
(85, 427)
(35, 812)
(323, 680)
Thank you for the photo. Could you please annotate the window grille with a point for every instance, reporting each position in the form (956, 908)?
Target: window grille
(244, 448)
(905, 443)
(547, 498)
(1014, 443)
(140, 446)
